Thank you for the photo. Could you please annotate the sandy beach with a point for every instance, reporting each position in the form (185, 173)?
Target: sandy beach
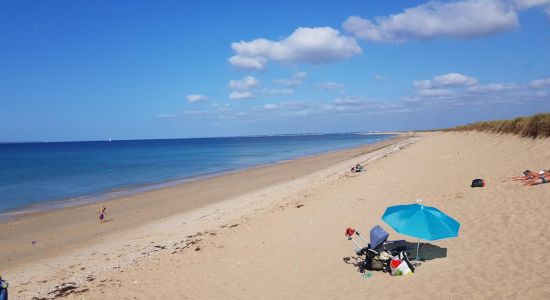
(277, 232)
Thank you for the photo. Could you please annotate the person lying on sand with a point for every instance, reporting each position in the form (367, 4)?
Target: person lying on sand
(358, 168)
(539, 179)
(527, 175)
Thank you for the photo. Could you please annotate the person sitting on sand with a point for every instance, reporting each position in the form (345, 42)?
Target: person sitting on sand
(102, 215)
(539, 179)
(358, 168)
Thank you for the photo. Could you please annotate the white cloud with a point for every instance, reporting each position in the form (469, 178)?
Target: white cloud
(246, 83)
(348, 100)
(201, 113)
(270, 106)
(296, 79)
(449, 79)
(166, 116)
(251, 63)
(454, 79)
(423, 84)
(305, 45)
(465, 19)
(435, 92)
(329, 85)
(380, 78)
(493, 87)
(526, 4)
(241, 95)
(195, 97)
(281, 91)
(540, 83)
(459, 90)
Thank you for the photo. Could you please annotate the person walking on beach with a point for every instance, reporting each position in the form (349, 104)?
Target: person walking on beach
(102, 215)
(3, 289)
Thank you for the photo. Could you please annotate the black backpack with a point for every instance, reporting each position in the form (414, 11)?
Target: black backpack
(478, 183)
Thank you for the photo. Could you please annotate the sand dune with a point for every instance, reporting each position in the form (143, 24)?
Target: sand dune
(286, 240)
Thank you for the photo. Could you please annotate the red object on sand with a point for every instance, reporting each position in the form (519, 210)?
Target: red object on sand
(350, 231)
(395, 263)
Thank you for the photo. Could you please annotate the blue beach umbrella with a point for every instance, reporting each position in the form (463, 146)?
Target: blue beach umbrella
(422, 222)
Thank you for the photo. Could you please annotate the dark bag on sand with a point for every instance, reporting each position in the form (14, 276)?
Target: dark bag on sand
(478, 183)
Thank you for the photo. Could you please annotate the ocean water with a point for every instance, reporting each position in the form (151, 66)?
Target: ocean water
(42, 173)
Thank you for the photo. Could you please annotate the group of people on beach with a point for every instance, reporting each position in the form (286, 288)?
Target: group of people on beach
(533, 178)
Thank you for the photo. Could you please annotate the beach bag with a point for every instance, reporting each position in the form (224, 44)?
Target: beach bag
(478, 183)
(400, 265)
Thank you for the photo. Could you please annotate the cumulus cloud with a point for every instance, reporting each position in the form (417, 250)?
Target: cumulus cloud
(435, 92)
(526, 4)
(422, 84)
(380, 78)
(329, 85)
(243, 88)
(464, 90)
(246, 83)
(305, 45)
(454, 79)
(296, 79)
(540, 83)
(280, 91)
(241, 95)
(465, 19)
(342, 106)
(449, 79)
(493, 87)
(270, 106)
(195, 97)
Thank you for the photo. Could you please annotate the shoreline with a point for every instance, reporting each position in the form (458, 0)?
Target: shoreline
(130, 190)
(61, 231)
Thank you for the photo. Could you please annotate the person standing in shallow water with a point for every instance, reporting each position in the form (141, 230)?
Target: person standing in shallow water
(102, 215)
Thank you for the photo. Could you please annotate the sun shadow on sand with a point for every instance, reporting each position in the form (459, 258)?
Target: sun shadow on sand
(427, 251)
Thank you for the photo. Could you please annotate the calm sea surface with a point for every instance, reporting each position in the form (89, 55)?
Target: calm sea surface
(42, 173)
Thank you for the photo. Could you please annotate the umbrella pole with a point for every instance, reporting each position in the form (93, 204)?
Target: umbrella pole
(417, 258)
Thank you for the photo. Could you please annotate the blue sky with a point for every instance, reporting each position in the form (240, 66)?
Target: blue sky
(93, 70)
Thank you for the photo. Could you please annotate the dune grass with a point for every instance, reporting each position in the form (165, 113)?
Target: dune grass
(532, 126)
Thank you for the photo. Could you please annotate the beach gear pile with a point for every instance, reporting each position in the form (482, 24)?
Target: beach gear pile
(414, 220)
(374, 256)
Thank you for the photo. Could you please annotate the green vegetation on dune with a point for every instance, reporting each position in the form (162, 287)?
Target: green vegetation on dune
(532, 126)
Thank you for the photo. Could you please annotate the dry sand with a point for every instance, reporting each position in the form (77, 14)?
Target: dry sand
(283, 237)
